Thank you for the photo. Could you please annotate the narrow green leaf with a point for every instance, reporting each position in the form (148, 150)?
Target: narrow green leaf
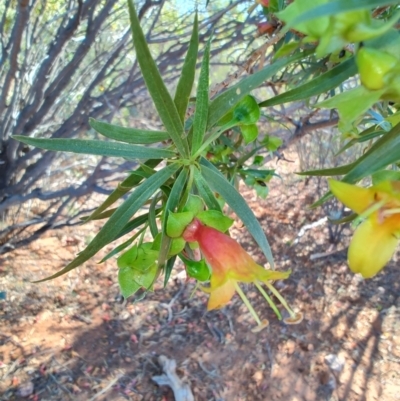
(329, 171)
(186, 79)
(125, 186)
(316, 86)
(372, 134)
(133, 224)
(117, 221)
(233, 198)
(168, 269)
(128, 135)
(228, 99)
(100, 148)
(336, 7)
(205, 192)
(385, 175)
(152, 216)
(162, 99)
(385, 151)
(122, 246)
(100, 216)
(201, 112)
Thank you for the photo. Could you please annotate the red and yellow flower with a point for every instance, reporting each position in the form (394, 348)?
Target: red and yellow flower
(231, 264)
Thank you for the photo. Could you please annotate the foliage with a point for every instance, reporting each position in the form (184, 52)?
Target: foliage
(63, 61)
(194, 165)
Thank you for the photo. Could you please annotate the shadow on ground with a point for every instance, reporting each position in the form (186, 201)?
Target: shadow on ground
(75, 338)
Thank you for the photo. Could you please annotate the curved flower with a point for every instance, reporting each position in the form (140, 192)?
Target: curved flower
(375, 239)
(230, 263)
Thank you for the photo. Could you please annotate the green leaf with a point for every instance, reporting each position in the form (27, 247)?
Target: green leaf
(168, 269)
(205, 192)
(121, 247)
(128, 135)
(382, 153)
(385, 151)
(322, 84)
(152, 216)
(145, 259)
(301, 7)
(286, 49)
(117, 221)
(128, 258)
(215, 219)
(146, 278)
(336, 7)
(125, 186)
(100, 148)
(100, 216)
(272, 143)
(201, 112)
(232, 197)
(127, 283)
(162, 99)
(177, 246)
(329, 171)
(348, 109)
(177, 223)
(141, 272)
(224, 102)
(363, 137)
(133, 224)
(249, 132)
(186, 79)
(385, 175)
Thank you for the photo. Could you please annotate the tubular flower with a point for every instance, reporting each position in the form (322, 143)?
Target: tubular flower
(231, 264)
(376, 238)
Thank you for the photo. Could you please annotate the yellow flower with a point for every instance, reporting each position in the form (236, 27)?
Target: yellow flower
(231, 264)
(375, 239)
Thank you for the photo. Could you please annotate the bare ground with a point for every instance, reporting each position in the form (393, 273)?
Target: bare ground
(75, 337)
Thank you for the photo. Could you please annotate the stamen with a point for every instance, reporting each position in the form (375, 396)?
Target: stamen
(248, 304)
(269, 300)
(388, 212)
(373, 208)
(281, 299)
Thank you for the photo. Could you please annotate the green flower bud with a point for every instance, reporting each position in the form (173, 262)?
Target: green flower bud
(198, 270)
(373, 65)
(194, 204)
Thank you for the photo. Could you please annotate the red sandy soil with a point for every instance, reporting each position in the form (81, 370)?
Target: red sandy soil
(75, 338)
